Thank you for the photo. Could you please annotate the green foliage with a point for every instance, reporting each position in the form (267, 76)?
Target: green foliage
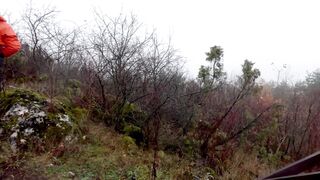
(72, 88)
(79, 116)
(138, 172)
(54, 134)
(21, 96)
(79, 113)
(269, 153)
(128, 141)
(121, 115)
(271, 158)
(313, 78)
(73, 83)
(215, 58)
(215, 54)
(113, 174)
(249, 74)
(14, 68)
(98, 114)
(129, 128)
(128, 120)
(161, 154)
(131, 113)
(135, 132)
(183, 146)
(212, 75)
(204, 74)
(270, 132)
(190, 147)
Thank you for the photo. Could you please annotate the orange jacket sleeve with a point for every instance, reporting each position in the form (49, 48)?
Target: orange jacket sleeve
(9, 43)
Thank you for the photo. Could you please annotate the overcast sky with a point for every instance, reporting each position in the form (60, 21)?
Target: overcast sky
(266, 32)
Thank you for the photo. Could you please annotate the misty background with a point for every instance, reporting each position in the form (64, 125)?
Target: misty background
(281, 37)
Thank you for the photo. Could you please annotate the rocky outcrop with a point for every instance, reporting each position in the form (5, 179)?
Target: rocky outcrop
(28, 119)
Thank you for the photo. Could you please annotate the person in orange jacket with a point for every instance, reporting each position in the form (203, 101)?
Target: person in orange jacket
(9, 43)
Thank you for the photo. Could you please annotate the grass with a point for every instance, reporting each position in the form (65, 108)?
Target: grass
(103, 154)
(246, 166)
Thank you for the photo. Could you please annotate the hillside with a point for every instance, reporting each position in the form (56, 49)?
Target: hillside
(98, 152)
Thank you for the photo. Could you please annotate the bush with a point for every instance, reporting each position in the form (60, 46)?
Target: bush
(128, 142)
(134, 132)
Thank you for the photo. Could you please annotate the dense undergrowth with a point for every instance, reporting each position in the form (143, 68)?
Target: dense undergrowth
(102, 153)
(95, 151)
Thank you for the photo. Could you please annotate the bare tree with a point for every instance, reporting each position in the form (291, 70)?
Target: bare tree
(52, 50)
(116, 54)
(160, 68)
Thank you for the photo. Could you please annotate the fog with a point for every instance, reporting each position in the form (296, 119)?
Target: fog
(270, 33)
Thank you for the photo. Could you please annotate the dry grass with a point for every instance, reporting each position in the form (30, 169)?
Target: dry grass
(105, 155)
(245, 166)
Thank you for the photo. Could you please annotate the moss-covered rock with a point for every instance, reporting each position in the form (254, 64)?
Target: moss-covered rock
(28, 119)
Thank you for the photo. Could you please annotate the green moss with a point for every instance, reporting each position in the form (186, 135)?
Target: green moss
(17, 96)
(26, 95)
(9, 124)
(56, 121)
(20, 96)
